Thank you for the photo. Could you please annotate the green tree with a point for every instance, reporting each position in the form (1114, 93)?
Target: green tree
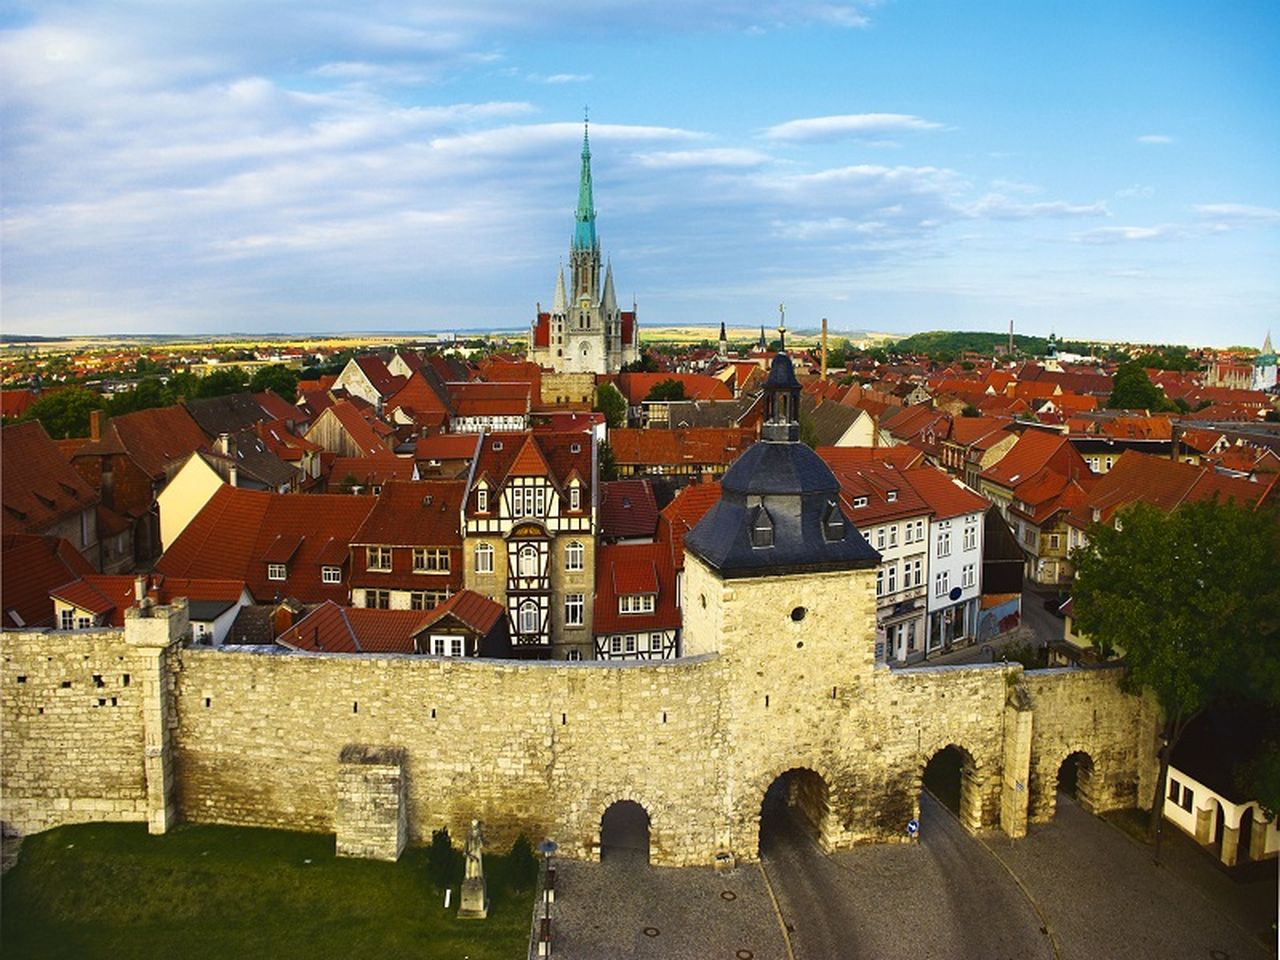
(146, 395)
(645, 364)
(1192, 598)
(279, 379)
(221, 382)
(1133, 390)
(669, 389)
(444, 863)
(808, 429)
(970, 411)
(608, 465)
(65, 413)
(612, 404)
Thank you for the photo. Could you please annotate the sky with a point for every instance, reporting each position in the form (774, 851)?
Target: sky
(1102, 170)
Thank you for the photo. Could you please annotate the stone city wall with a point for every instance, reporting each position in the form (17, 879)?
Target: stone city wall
(71, 732)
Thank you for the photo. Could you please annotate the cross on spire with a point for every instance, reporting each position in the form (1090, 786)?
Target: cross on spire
(782, 327)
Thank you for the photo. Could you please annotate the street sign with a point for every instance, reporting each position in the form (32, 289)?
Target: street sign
(913, 828)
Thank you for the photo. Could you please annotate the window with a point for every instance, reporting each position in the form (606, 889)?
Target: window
(67, 619)
(575, 498)
(573, 555)
(879, 538)
(880, 583)
(1175, 790)
(379, 558)
(330, 574)
(83, 623)
(1188, 797)
(631, 643)
(527, 563)
(573, 610)
(893, 535)
(482, 500)
(919, 530)
(573, 655)
(970, 537)
(426, 599)
(908, 532)
(1055, 541)
(427, 559)
(891, 496)
(893, 578)
(942, 584)
(944, 543)
(484, 558)
(917, 568)
(859, 502)
(529, 618)
(636, 603)
(446, 646)
(968, 575)
(377, 599)
(540, 501)
(615, 644)
(276, 571)
(911, 636)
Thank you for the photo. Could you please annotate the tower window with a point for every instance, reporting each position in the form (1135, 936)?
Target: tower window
(761, 527)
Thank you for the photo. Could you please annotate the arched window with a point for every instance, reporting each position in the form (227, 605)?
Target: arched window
(484, 558)
(573, 555)
(528, 561)
(529, 617)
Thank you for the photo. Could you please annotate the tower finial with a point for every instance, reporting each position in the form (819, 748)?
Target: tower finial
(782, 327)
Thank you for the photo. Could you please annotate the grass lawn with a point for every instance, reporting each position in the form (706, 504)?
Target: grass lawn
(111, 890)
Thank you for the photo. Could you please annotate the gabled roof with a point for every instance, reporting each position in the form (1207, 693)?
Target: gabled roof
(848, 458)
(887, 492)
(383, 381)
(627, 509)
(232, 534)
(226, 414)
(154, 439)
(423, 513)
(448, 446)
(419, 400)
(624, 569)
(373, 470)
(967, 430)
(1034, 450)
(331, 628)
(30, 566)
(110, 595)
(358, 428)
(14, 403)
(472, 610)
(38, 487)
(565, 454)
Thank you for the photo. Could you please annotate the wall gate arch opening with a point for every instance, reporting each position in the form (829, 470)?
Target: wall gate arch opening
(796, 809)
(951, 776)
(1076, 779)
(624, 833)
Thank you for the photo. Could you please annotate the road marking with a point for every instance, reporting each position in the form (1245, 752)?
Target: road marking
(777, 910)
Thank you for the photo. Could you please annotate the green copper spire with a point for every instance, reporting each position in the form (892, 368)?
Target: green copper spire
(584, 234)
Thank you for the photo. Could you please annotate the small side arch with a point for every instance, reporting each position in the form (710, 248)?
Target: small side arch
(795, 804)
(624, 836)
(953, 774)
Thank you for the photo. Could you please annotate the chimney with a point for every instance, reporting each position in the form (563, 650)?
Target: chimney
(95, 425)
(824, 348)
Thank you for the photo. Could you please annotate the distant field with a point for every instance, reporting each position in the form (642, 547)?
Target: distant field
(113, 891)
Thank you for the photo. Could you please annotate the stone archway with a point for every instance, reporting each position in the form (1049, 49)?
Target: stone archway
(951, 775)
(1076, 779)
(796, 808)
(624, 833)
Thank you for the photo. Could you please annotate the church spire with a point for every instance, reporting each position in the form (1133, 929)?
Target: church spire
(561, 303)
(608, 300)
(584, 234)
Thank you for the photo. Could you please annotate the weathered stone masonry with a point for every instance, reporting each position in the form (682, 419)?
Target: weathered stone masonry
(134, 725)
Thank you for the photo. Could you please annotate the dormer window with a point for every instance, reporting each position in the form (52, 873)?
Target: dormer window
(277, 571)
(859, 502)
(497, 445)
(482, 500)
(575, 448)
(891, 496)
(761, 527)
(832, 523)
(575, 498)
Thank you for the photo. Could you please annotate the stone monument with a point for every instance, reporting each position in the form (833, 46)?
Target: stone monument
(475, 897)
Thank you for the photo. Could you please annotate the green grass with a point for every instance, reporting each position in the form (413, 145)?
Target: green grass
(111, 890)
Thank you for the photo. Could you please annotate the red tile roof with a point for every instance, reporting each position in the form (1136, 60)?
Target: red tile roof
(693, 446)
(102, 594)
(422, 513)
(683, 513)
(1035, 450)
(476, 398)
(157, 440)
(362, 432)
(229, 538)
(331, 628)
(697, 386)
(14, 403)
(38, 487)
(419, 401)
(946, 496)
(447, 446)
(380, 378)
(567, 455)
(624, 569)
(276, 407)
(473, 610)
(542, 331)
(31, 566)
(627, 509)
(847, 458)
(887, 493)
(373, 470)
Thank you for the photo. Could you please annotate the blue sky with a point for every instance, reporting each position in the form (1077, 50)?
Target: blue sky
(1103, 170)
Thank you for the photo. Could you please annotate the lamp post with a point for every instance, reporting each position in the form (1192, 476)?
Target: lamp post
(547, 847)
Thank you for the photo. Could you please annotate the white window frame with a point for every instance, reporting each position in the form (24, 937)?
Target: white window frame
(482, 499)
(430, 560)
(277, 571)
(575, 610)
(67, 619)
(944, 543)
(879, 538)
(330, 574)
(942, 584)
(968, 575)
(574, 555)
(378, 559)
(523, 555)
(880, 582)
(484, 558)
(893, 535)
(530, 617)
(893, 578)
(575, 497)
(635, 603)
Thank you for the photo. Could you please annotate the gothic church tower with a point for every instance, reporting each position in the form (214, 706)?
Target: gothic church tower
(584, 332)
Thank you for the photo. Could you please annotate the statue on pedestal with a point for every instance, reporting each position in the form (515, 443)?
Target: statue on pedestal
(475, 897)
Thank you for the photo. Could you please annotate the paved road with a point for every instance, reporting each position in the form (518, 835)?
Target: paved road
(942, 898)
(1047, 627)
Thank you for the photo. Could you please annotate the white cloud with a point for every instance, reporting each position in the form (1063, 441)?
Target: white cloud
(996, 206)
(1102, 235)
(1155, 138)
(845, 126)
(1238, 213)
(712, 157)
(559, 78)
